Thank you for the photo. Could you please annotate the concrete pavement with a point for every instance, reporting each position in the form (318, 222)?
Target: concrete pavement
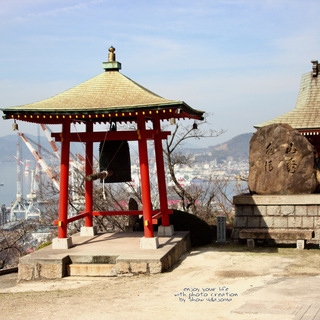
(264, 283)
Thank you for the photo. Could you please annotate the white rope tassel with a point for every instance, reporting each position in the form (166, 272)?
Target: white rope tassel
(103, 191)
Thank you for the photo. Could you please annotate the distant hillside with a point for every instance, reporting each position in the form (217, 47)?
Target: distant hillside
(237, 148)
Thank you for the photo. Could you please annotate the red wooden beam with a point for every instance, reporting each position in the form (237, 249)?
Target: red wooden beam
(74, 218)
(144, 177)
(156, 214)
(127, 213)
(161, 174)
(110, 135)
(64, 181)
(89, 184)
(119, 213)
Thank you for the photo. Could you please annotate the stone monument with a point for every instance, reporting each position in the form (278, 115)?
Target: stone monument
(281, 161)
(283, 205)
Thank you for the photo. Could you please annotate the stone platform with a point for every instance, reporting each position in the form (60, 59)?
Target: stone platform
(104, 254)
(282, 218)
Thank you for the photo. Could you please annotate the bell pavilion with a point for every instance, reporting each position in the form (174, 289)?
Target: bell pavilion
(305, 117)
(109, 97)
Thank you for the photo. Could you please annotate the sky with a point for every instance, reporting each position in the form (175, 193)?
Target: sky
(241, 61)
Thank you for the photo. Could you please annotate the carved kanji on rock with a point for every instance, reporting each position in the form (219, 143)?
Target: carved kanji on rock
(281, 161)
(291, 165)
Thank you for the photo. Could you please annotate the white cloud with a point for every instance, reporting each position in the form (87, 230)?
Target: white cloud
(223, 56)
(18, 11)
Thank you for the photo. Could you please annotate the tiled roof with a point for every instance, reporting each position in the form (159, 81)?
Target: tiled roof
(306, 114)
(109, 91)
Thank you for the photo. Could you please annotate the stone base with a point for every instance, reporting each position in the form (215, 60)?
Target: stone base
(282, 218)
(91, 270)
(35, 269)
(64, 243)
(300, 244)
(88, 231)
(149, 243)
(250, 243)
(126, 257)
(165, 231)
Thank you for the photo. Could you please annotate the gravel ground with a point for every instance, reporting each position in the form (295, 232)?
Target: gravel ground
(227, 282)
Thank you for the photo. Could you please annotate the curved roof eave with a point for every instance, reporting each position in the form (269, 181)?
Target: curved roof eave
(108, 92)
(306, 113)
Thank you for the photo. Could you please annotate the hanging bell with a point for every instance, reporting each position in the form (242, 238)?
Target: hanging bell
(115, 158)
(15, 126)
(195, 126)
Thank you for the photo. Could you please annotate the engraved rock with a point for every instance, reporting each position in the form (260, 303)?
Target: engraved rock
(281, 161)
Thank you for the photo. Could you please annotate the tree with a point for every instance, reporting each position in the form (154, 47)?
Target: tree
(14, 242)
(199, 200)
(107, 197)
(204, 200)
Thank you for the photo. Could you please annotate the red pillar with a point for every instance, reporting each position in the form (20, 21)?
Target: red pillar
(161, 173)
(64, 180)
(145, 182)
(89, 184)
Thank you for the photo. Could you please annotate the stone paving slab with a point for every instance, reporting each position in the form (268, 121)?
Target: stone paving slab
(309, 312)
(268, 307)
(293, 298)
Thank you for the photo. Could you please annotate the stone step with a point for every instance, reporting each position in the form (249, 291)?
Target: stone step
(92, 269)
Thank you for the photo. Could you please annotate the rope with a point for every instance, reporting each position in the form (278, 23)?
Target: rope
(104, 141)
(103, 191)
(100, 154)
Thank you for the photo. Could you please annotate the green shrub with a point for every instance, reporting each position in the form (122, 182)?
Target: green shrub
(44, 245)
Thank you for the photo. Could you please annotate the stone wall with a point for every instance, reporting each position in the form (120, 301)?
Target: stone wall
(287, 212)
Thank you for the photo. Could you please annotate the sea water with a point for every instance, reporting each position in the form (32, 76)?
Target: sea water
(8, 177)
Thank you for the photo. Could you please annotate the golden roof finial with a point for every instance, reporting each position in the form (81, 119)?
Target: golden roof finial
(112, 55)
(112, 64)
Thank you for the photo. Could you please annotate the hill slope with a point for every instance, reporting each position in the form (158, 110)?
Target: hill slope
(237, 147)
